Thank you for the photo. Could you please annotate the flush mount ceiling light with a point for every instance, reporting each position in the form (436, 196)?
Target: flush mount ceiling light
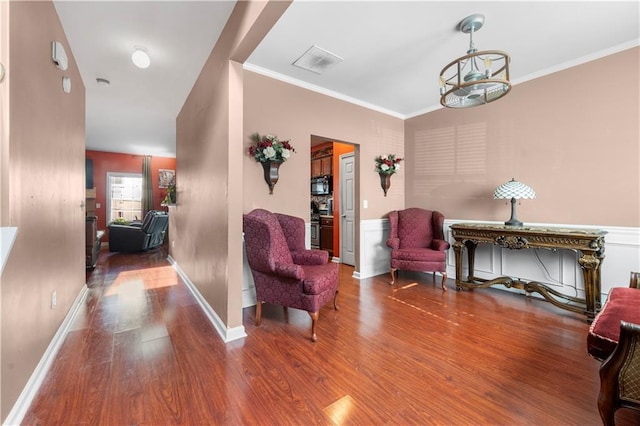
(476, 78)
(317, 60)
(140, 57)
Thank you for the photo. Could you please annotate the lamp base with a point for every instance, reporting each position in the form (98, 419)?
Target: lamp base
(514, 220)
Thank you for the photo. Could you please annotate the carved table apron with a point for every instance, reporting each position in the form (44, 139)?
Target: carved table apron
(589, 243)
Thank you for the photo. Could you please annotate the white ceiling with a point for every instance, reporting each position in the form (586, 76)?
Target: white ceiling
(393, 52)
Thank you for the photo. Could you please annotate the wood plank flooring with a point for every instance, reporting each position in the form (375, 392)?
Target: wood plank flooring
(141, 352)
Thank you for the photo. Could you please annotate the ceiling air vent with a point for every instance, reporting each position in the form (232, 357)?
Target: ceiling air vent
(317, 60)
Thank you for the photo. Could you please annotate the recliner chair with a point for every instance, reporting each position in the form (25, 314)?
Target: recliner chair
(134, 238)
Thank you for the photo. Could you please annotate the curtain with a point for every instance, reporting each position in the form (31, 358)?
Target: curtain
(147, 186)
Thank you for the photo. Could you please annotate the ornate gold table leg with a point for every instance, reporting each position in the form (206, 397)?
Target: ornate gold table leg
(590, 265)
(471, 258)
(457, 250)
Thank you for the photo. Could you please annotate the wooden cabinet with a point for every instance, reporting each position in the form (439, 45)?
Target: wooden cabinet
(326, 234)
(321, 166)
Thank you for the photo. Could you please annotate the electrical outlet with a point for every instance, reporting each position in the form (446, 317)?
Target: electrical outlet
(53, 299)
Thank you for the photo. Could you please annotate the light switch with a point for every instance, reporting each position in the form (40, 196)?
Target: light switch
(365, 204)
(97, 205)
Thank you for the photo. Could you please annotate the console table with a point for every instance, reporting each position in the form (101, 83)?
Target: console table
(589, 243)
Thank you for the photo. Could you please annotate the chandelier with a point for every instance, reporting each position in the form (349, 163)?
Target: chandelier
(476, 78)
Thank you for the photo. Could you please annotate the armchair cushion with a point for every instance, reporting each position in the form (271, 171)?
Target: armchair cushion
(604, 333)
(319, 278)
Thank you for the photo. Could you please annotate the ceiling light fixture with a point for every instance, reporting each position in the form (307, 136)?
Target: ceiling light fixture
(140, 57)
(476, 78)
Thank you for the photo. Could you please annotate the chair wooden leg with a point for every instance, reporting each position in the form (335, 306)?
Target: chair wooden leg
(335, 301)
(444, 281)
(258, 312)
(314, 319)
(393, 276)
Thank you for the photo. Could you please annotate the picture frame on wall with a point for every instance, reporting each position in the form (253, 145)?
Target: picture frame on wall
(166, 178)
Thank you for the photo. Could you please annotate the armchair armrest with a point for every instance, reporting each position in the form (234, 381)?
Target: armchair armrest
(310, 257)
(126, 238)
(440, 245)
(394, 243)
(288, 270)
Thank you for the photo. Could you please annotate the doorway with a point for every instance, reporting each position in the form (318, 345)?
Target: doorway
(347, 209)
(320, 147)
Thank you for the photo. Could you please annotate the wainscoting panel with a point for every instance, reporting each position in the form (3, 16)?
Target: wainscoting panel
(374, 253)
(557, 268)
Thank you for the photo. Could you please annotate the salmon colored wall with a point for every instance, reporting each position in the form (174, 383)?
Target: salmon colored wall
(104, 162)
(569, 137)
(42, 190)
(296, 113)
(207, 221)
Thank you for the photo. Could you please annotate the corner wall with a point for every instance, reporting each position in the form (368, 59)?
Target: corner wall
(206, 239)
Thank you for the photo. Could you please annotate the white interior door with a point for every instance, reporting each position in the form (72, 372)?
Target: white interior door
(347, 209)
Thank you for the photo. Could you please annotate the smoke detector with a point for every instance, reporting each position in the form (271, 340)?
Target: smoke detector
(317, 60)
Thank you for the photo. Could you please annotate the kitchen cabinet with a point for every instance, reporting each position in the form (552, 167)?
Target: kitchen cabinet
(326, 234)
(321, 166)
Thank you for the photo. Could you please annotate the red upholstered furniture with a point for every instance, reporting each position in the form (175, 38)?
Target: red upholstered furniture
(614, 336)
(284, 271)
(417, 242)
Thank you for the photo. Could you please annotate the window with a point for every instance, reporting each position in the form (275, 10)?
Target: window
(124, 196)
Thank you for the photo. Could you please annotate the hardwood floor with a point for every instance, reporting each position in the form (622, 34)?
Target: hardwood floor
(142, 352)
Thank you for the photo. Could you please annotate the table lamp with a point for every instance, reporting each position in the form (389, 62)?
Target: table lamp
(516, 191)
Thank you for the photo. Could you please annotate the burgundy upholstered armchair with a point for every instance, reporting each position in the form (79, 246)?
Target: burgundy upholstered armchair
(417, 242)
(284, 271)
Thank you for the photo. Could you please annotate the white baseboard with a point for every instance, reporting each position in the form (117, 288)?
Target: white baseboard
(17, 413)
(227, 334)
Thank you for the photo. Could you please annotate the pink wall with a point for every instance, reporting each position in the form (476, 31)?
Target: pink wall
(295, 113)
(104, 162)
(207, 221)
(568, 135)
(42, 191)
